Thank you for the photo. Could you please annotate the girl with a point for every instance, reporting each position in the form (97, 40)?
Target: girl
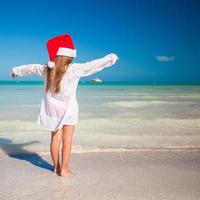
(59, 108)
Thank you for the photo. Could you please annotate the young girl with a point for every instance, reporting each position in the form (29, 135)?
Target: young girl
(59, 108)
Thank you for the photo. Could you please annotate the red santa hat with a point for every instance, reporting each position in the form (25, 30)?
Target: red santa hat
(60, 45)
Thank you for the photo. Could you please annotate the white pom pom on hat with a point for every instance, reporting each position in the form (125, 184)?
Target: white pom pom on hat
(60, 45)
(51, 64)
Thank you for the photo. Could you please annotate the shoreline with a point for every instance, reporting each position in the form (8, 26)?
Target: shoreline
(110, 150)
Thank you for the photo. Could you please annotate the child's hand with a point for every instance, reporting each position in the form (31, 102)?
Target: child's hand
(117, 57)
(114, 57)
(13, 74)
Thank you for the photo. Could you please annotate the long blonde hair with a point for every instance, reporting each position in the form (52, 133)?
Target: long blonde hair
(55, 74)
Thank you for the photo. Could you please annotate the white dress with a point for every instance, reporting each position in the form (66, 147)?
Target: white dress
(62, 109)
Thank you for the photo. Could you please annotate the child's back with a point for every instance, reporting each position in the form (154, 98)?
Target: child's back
(62, 108)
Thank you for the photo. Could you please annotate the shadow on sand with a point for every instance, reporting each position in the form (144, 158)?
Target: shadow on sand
(17, 151)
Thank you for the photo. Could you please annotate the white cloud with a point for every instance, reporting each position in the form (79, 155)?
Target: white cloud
(165, 58)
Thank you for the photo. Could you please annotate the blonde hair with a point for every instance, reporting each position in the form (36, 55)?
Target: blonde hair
(55, 74)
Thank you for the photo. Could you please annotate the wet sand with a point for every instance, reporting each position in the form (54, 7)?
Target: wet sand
(152, 175)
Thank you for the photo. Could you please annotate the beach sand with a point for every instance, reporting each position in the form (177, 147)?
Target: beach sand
(140, 174)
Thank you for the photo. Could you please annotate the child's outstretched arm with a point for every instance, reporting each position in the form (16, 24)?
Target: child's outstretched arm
(25, 70)
(88, 68)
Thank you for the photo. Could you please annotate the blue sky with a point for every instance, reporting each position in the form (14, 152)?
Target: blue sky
(156, 40)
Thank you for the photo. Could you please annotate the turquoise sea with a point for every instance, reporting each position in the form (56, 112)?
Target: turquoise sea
(112, 116)
(104, 83)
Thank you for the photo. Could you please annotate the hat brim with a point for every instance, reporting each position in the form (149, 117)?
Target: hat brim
(62, 51)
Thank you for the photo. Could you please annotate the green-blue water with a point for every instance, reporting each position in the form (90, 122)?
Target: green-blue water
(103, 83)
(111, 115)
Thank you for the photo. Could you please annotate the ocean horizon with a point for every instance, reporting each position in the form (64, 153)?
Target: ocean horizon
(139, 83)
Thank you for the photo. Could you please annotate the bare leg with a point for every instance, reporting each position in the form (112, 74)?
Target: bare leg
(54, 149)
(66, 149)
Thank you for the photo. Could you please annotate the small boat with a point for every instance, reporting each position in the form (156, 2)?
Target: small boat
(96, 80)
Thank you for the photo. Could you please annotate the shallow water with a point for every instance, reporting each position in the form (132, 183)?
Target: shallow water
(110, 117)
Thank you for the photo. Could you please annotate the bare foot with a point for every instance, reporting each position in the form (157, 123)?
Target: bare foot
(56, 169)
(67, 173)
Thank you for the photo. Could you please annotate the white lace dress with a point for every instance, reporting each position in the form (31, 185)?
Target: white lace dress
(59, 109)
